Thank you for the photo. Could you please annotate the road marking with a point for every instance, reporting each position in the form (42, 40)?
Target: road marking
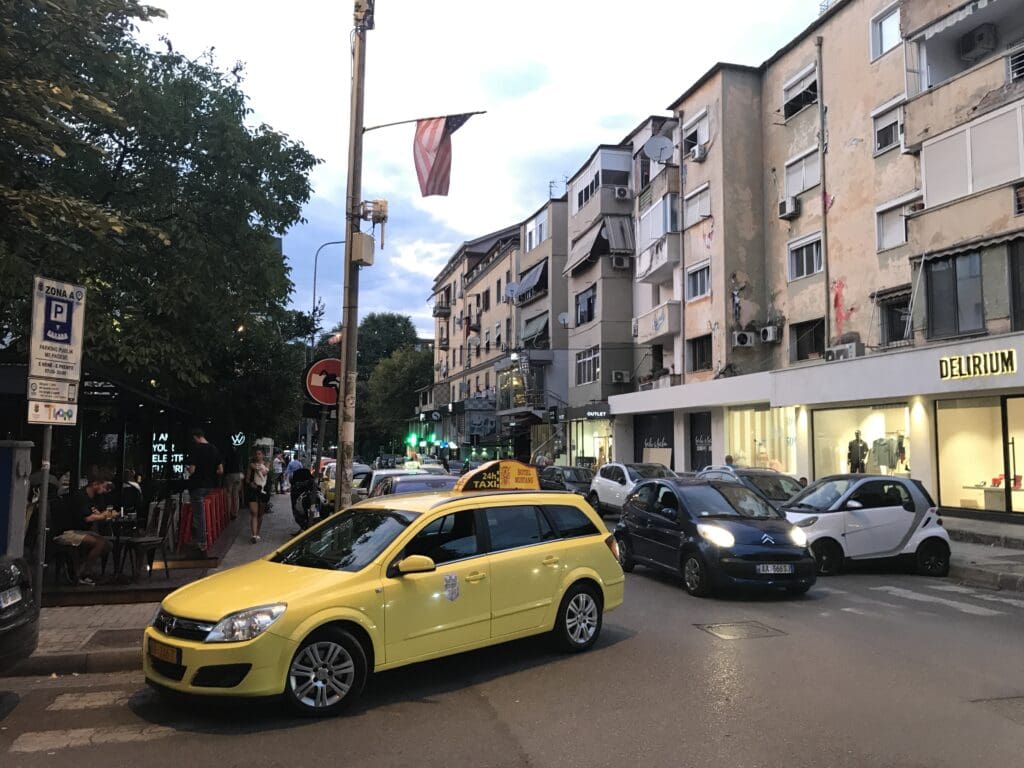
(89, 700)
(979, 595)
(974, 610)
(49, 741)
(870, 601)
(858, 612)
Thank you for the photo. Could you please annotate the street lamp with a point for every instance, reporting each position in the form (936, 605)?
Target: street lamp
(316, 261)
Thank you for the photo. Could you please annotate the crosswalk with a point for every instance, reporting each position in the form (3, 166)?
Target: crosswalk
(916, 596)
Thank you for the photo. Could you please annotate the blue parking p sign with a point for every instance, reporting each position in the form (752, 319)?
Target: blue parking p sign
(57, 325)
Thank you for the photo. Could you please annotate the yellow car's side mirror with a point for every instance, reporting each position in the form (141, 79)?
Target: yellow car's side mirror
(416, 564)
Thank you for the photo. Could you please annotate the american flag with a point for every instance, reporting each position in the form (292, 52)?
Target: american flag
(432, 151)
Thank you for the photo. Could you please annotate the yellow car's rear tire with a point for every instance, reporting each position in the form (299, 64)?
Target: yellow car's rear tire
(327, 674)
(580, 616)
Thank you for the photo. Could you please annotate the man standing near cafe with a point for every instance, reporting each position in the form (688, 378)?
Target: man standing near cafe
(205, 470)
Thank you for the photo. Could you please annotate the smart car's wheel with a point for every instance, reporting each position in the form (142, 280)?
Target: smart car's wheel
(933, 558)
(829, 557)
(626, 555)
(594, 501)
(695, 575)
(579, 618)
(327, 673)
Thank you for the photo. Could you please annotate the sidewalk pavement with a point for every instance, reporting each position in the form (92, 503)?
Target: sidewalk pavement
(108, 638)
(987, 553)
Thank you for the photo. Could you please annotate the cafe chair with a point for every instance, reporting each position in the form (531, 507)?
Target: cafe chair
(143, 548)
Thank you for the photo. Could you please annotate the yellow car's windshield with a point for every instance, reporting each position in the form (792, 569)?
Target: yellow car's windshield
(348, 541)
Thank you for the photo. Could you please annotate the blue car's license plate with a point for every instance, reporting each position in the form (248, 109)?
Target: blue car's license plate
(772, 568)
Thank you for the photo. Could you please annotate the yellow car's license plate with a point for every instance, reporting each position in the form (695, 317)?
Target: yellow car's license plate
(164, 652)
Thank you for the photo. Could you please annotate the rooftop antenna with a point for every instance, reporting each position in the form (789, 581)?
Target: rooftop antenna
(551, 189)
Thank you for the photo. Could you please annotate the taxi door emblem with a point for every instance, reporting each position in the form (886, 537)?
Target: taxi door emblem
(451, 586)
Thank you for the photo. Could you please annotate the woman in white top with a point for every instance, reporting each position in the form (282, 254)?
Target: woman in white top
(257, 492)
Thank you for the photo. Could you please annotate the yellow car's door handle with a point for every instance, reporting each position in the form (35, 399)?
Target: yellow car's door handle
(550, 560)
(475, 577)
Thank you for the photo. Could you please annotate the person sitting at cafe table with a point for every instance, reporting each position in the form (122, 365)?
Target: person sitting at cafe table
(74, 519)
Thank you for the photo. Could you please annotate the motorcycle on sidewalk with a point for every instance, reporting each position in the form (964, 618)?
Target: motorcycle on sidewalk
(308, 501)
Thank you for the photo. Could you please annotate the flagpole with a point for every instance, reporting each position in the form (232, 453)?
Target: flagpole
(363, 18)
(419, 119)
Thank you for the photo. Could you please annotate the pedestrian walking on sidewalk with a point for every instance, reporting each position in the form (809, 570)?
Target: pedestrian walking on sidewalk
(257, 492)
(233, 476)
(205, 470)
(277, 474)
(289, 470)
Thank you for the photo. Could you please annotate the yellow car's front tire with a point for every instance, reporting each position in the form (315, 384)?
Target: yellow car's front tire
(327, 673)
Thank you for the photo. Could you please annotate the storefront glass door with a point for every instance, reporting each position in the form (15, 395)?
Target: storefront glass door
(1015, 444)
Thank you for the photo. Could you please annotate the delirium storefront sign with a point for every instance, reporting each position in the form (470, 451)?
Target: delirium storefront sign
(998, 363)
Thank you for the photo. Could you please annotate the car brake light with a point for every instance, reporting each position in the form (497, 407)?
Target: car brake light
(613, 545)
(938, 521)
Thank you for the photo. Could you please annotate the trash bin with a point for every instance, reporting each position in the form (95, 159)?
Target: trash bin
(19, 616)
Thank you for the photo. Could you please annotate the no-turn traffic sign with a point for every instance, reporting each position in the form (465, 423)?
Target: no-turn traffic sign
(323, 378)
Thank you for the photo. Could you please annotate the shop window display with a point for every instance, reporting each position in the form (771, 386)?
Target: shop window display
(763, 438)
(870, 439)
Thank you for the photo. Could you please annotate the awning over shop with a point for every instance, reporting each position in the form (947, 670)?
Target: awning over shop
(530, 280)
(535, 326)
(613, 234)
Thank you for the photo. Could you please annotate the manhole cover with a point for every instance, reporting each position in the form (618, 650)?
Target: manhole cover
(1012, 708)
(115, 638)
(740, 630)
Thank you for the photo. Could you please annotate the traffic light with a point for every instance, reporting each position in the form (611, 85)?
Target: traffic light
(433, 437)
(412, 439)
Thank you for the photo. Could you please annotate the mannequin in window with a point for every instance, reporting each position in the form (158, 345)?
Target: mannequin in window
(857, 453)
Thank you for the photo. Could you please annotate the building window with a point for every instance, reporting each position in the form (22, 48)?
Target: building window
(611, 168)
(497, 290)
(487, 299)
(696, 131)
(508, 330)
(497, 334)
(896, 324)
(885, 31)
(805, 257)
(1018, 200)
(1015, 61)
(807, 340)
(891, 227)
(641, 171)
(955, 305)
(888, 128)
(800, 92)
(696, 206)
(588, 365)
(803, 173)
(657, 221)
(698, 282)
(586, 305)
(487, 380)
(698, 353)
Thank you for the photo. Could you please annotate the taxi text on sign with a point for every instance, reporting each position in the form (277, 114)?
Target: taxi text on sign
(58, 322)
(503, 475)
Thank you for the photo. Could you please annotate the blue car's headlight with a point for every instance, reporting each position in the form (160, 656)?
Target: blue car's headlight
(716, 535)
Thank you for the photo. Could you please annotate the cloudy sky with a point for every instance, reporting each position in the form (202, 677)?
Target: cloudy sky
(557, 77)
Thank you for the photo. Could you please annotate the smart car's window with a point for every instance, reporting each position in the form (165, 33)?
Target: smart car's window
(453, 537)
(879, 493)
(348, 541)
(616, 474)
(569, 521)
(775, 487)
(644, 496)
(727, 500)
(667, 499)
(512, 527)
(606, 472)
(819, 496)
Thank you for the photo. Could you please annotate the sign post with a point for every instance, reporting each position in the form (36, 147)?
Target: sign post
(322, 381)
(54, 370)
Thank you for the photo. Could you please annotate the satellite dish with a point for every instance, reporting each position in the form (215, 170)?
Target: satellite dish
(658, 148)
(563, 318)
(510, 290)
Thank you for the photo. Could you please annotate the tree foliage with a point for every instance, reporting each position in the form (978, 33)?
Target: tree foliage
(392, 392)
(138, 174)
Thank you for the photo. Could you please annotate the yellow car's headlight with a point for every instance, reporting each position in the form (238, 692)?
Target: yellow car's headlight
(245, 625)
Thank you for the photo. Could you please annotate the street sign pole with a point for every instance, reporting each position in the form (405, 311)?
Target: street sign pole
(43, 517)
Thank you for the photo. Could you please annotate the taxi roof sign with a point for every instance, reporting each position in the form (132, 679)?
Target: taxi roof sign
(503, 475)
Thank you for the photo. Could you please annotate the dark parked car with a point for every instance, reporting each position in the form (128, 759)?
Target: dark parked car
(714, 534)
(420, 483)
(774, 487)
(572, 479)
(19, 619)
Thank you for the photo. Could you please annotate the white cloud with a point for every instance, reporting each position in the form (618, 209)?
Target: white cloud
(420, 257)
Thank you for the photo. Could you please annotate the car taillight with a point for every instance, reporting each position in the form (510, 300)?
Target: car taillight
(613, 545)
(938, 521)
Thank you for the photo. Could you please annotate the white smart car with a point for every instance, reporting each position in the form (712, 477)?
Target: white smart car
(613, 482)
(862, 517)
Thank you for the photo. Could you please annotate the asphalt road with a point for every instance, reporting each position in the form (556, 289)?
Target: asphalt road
(868, 669)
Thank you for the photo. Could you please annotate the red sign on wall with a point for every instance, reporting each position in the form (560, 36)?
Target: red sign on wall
(323, 379)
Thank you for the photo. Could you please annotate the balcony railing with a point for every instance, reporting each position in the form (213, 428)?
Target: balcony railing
(662, 322)
(442, 342)
(442, 310)
(655, 265)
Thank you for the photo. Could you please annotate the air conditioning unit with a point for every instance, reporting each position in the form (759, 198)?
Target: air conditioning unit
(699, 153)
(789, 207)
(620, 377)
(620, 262)
(622, 193)
(636, 328)
(743, 339)
(845, 351)
(770, 334)
(978, 43)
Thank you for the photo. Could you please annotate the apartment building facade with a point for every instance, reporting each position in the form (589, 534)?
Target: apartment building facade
(864, 288)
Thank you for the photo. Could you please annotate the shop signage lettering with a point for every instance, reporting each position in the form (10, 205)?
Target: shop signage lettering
(999, 363)
(163, 451)
(597, 414)
(656, 442)
(500, 475)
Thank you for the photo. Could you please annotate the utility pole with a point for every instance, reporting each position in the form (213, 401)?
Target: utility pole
(363, 19)
(822, 151)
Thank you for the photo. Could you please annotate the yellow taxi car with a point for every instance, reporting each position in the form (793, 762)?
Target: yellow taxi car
(389, 582)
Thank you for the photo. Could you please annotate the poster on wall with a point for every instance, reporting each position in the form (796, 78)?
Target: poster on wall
(654, 438)
(700, 440)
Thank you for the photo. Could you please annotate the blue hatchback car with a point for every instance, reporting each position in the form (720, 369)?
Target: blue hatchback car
(714, 534)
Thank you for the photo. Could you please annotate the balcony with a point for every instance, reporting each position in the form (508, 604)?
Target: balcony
(656, 264)
(442, 310)
(473, 325)
(442, 342)
(660, 323)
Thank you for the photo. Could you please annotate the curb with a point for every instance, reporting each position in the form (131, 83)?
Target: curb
(986, 577)
(79, 662)
(988, 539)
